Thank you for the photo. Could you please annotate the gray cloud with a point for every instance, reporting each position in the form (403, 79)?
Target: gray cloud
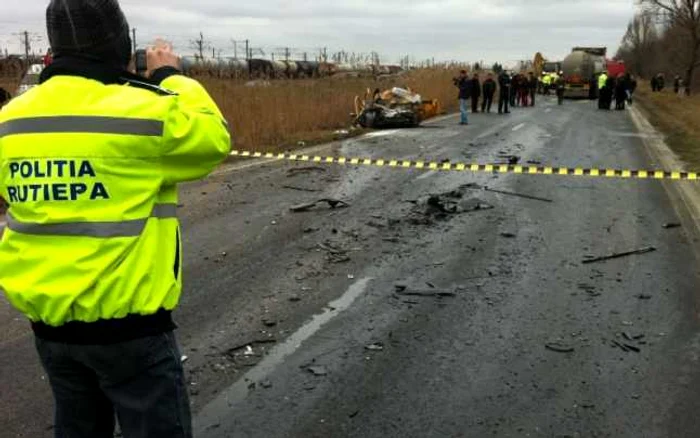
(490, 30)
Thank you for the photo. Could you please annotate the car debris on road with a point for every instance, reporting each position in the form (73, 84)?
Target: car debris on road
(333, 203)
(592, 259)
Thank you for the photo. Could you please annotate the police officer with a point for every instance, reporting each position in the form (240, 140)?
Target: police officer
(504, 83)
(603, 91)
(91, 253)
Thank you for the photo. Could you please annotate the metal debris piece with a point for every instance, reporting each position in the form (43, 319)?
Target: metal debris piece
(672, 225)
(558, 347)
(644, 296)
(377, 346)
(233, 350)
(333, 203)
(428, 293)
(508, 235)
(620, 255)
(519, 195)
(304, 169)
(400, 287)
(317, 370)
(267, 384)
(301, 189)
(183, 359)
(626, 347)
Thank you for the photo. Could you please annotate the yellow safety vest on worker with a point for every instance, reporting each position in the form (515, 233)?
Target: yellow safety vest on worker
(547, 80)
(553, 78)
(602, 79)
(90, 178)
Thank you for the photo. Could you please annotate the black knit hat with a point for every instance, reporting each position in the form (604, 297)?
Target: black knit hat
(95, 29)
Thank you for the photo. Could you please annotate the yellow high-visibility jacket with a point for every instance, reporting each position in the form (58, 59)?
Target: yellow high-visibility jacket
(90, 173)
(602, 79)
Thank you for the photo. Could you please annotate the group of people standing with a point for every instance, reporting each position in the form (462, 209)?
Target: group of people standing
(620, 88)
(513, 90)
(471, 90)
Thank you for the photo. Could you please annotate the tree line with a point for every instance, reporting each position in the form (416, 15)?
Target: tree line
(664, 37)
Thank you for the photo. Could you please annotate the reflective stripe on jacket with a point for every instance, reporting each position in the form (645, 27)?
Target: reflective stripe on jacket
(90, 173)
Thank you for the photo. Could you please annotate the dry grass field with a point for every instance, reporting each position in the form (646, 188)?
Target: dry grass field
(278, 115)
(678, 117)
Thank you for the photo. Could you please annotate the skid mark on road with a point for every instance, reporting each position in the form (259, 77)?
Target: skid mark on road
(221, 406)
(519, 127)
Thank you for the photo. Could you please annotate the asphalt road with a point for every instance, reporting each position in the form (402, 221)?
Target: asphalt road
(391, 318)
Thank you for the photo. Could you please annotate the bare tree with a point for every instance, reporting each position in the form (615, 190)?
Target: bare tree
(683, 19)
(639, 45)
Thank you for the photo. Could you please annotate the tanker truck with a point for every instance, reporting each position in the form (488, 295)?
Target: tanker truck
(581, 70)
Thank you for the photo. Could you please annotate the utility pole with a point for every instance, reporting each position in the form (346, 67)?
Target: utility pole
(198, 45)
(248, 55)
(133, 39)
(286, 53)
(26, 45)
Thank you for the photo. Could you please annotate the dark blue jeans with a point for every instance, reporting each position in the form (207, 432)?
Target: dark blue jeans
(141, 381)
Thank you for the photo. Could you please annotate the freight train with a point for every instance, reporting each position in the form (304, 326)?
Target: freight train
(268, 69)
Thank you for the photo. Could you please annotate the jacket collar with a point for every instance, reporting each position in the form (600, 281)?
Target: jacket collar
(89, 69)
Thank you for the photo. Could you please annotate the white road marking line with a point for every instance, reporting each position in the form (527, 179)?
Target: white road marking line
(238, 392)
(519, 127)
(548, 110)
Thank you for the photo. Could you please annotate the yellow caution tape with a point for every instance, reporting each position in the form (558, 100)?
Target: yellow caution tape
(485, 168)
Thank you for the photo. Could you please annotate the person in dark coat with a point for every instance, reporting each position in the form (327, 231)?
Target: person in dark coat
(504, 91)
(462, 82)
(514, 90)
(524, 89)
(560, 85)
(475, 93)
(532, 87)
(621, 87)
(654, 85)
(489, 89)
(676, 84)
(660, 82)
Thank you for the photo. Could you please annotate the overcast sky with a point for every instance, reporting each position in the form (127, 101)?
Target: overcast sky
(465, 30)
